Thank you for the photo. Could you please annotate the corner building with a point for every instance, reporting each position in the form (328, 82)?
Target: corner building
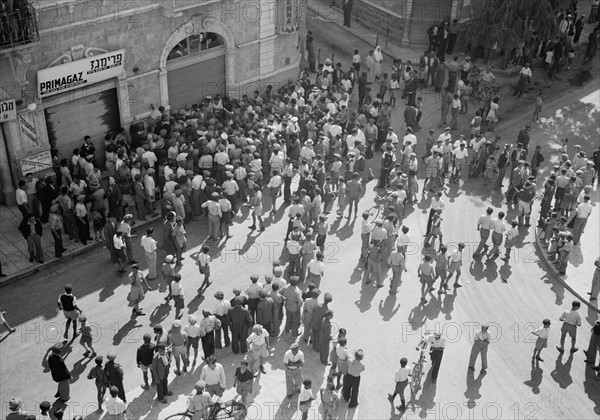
(71, 68)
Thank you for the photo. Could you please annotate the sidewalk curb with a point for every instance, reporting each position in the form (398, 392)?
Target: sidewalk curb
(32, 270)
(316, 12)
(553, 274)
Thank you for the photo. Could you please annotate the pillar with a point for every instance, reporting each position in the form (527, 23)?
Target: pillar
(407, 18)
(6, 179)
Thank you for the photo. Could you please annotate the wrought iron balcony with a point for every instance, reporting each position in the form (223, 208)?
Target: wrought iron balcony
(18, 26)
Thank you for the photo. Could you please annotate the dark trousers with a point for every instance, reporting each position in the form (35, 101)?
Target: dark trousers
(429, 220)
(208, 344)
(287, 189)
(83, 228)
(121, 389)
(252, 305)
(162, 387)
(238, 341)
(24, 211)
(350, 389)
(436, 360)
(225, 330)
(451, 43)
(58, 243)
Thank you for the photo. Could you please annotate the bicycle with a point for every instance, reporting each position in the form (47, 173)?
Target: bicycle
(418, 370)
(219, 411)
(383, 200)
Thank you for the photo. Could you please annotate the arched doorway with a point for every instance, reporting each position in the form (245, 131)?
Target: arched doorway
(196, 68)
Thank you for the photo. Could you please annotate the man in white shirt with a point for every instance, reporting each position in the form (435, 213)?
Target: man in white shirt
(149, 244)
(115, 405)
(542, 340)
(455, 263)
(583, 213)
(459, 155)
(571, 320)
(445, 135)
(392, 137)
(22, 201)
(119, 245)
(484, 226)
(214, 376)
(409, 137)
(436, 343)
(499, 228)
(436, 204)
(293, 359)
(480, 346)
(402, 375)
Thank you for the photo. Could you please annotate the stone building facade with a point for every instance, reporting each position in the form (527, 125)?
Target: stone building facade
(71, 68)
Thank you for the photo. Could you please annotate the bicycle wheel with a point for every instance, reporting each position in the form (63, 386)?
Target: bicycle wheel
(179, 416)
(231, 410)
(415, 383)
(374, 213)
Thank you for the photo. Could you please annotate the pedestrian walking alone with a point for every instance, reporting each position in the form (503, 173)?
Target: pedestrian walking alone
(352, 379)
(402, 375)
(480, 347)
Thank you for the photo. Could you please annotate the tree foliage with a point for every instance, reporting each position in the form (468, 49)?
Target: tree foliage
(508, 21)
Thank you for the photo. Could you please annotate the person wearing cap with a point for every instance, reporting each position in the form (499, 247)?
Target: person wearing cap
(221, 311)
(59, 371)
(324, 336)
(352, 379)
(200, 402)
(541, 341)
(208, 324)
(144, 356)
(150, 245)
(293, 359)
(115, 374)
(481, 343)
(15, 405)
(168, 272)
(178, 341)
(292, 297)
(161, 364)
(100, 379)
(571, 320)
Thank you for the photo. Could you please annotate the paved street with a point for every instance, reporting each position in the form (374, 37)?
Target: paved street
(386, 327)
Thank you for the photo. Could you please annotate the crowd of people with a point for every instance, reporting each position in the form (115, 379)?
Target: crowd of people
(205, 162)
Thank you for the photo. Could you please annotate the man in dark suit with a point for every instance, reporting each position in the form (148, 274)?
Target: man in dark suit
(47, 195)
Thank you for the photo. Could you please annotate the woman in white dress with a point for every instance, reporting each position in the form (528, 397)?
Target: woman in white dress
(378, 56)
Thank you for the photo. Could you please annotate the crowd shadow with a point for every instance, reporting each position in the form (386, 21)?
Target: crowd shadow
(591, 386)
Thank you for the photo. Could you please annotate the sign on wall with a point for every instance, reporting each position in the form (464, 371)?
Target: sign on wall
(79, 73)
(8, 110)
(36, 163)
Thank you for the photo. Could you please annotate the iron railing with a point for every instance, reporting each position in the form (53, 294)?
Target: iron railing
(18, 27)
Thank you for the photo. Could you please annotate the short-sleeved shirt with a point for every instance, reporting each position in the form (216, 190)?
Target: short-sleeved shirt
(291, 357)
(402, 374)
(571, 317)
